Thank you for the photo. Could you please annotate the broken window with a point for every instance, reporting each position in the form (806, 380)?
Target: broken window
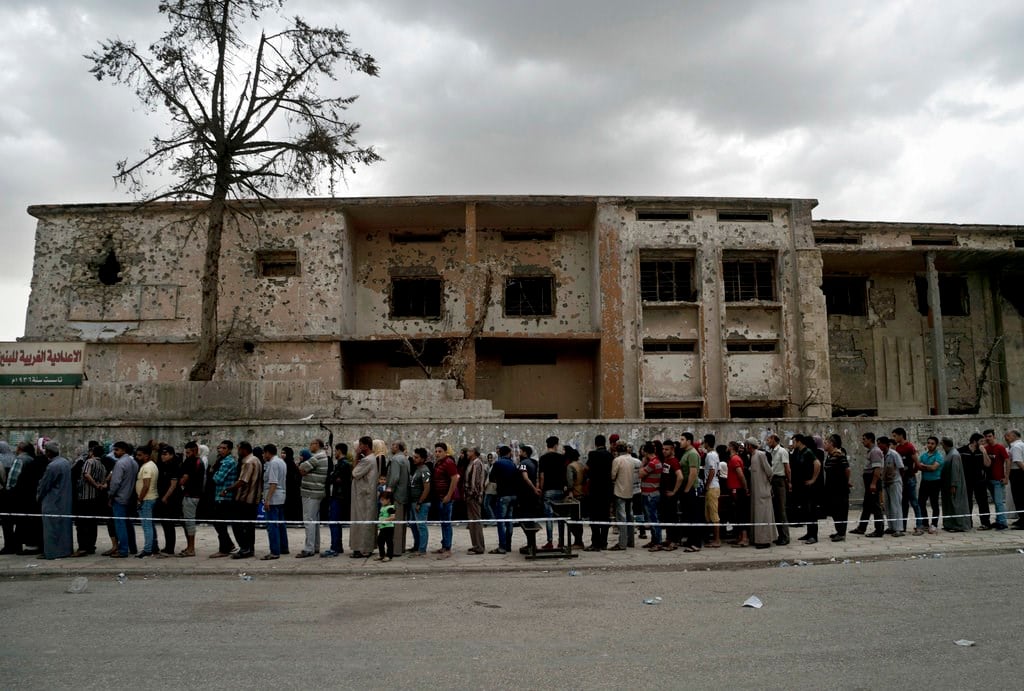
(752, 346)
(109, 270)
(845, 295)
(529, 296)
(277, 263)
(954, 300)
(757, 216)
(670, 346)
(749, 279)
(416, 298)
(673, 411)
(667, 281)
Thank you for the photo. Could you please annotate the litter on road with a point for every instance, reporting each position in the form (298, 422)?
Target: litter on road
(964, 643)
(78, 585)
(753, 601)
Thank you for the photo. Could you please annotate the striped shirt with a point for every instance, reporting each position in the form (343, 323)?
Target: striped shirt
(650, 479)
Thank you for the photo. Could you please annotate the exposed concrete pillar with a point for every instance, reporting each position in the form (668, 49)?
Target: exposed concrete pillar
(938, 340)
(472, 298)
(614, 377)
(714, 367)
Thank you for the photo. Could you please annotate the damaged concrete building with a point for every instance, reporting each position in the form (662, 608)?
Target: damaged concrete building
(552, 307)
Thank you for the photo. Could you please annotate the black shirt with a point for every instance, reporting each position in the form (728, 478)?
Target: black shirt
(193, 467)
(599, 470)
(552, 467)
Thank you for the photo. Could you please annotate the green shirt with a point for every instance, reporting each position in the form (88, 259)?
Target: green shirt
(386, 512)
(690, 459)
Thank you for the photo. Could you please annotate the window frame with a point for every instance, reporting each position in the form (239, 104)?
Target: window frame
(434, 280)
(755, 260)
(520, 278)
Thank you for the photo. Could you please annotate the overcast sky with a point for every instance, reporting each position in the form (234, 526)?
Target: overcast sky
(897, 111)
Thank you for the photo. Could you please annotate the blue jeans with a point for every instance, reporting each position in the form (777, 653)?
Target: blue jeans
(506, 506)
(624, 514)
(999, 497)
(551, 495)
(148, 529)
(124, 529)
(490, 506)
(444, 514)
(909, 501)
(420, 534)
(651, 502)
(277, 530)
(334, 514)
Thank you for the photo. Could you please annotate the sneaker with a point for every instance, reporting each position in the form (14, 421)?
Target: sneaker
(304, 554)
(918, 532)
(999, 526)
(838, 538)
(811, 541)
(327, 554)
(143, 555)
(859, 531)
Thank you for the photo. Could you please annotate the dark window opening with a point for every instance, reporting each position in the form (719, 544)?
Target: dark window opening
(837, 239)
(529, 296)
(109, 271)
(663, 215)
(747, 280)
(845, 295)
(928, 241)
(752, 346)
(416, 238)
(416, 298)
(751, 409)
(667, 281)
(761, 216)
(277, 263)
(670, 346)
(839, 411)
(954, 300)
(528, 236)
(663, 411)
(1018, 242)
(414, 353)
(531, 416)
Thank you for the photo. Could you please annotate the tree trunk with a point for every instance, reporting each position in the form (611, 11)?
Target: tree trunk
(209, 343)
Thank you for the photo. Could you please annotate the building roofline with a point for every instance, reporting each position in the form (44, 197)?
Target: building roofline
(43, 210)
(907, 226)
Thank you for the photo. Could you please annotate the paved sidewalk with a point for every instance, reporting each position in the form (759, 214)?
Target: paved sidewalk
(855, 548)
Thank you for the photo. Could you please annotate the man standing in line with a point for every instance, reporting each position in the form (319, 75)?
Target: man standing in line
(576, 480)
(622, 479)
(314, 482)
(998, 476)
(930, 463)
(782, 485)
(419, 493)
(275, 478)
(973, 456)
(223, 499)
(120, 496)
(552, 484)
(528, 500)
(147, 493)
(91, 501)
(908, 454)
(54, 494)
(693, 507)
(247, 499)
(168, 504)
(599, 471)
(805, 478)
(892, 478)
(651, 470)
(445, 481)
(398, 483)
(712, 489)
(872, 488)
(339, 483)
(192, 476)
(476, 481)
(505, 476)
(1016, 475)
(668, 506)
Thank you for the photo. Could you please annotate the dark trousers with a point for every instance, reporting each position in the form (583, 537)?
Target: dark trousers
(693, 512)
(839, 510)
(386, 542)
(224, 511)
(931, 490)
(167, 512)
(1017, 491)
(780, 495)
(872, 507)
(11, 542)
(245, 528)
(807, 509)
(978, 491)
(87, 527)
(599, 507)
(577, 530)
(668, 512)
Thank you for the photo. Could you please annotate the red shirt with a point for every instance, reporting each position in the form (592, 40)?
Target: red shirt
(441, 479)
(733, 480)
(997, 454)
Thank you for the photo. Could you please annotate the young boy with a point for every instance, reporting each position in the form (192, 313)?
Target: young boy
(386, 528)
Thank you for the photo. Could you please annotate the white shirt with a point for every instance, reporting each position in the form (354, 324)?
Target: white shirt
(711, 470)
(1017, 453)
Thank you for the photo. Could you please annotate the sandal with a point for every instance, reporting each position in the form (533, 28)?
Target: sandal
(186, 553)
(691, 548)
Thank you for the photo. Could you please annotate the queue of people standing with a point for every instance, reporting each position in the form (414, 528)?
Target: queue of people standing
(685, 494)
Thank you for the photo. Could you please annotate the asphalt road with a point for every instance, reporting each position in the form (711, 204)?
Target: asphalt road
(872, 625)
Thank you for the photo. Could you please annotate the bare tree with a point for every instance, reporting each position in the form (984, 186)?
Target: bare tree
(229, 102)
